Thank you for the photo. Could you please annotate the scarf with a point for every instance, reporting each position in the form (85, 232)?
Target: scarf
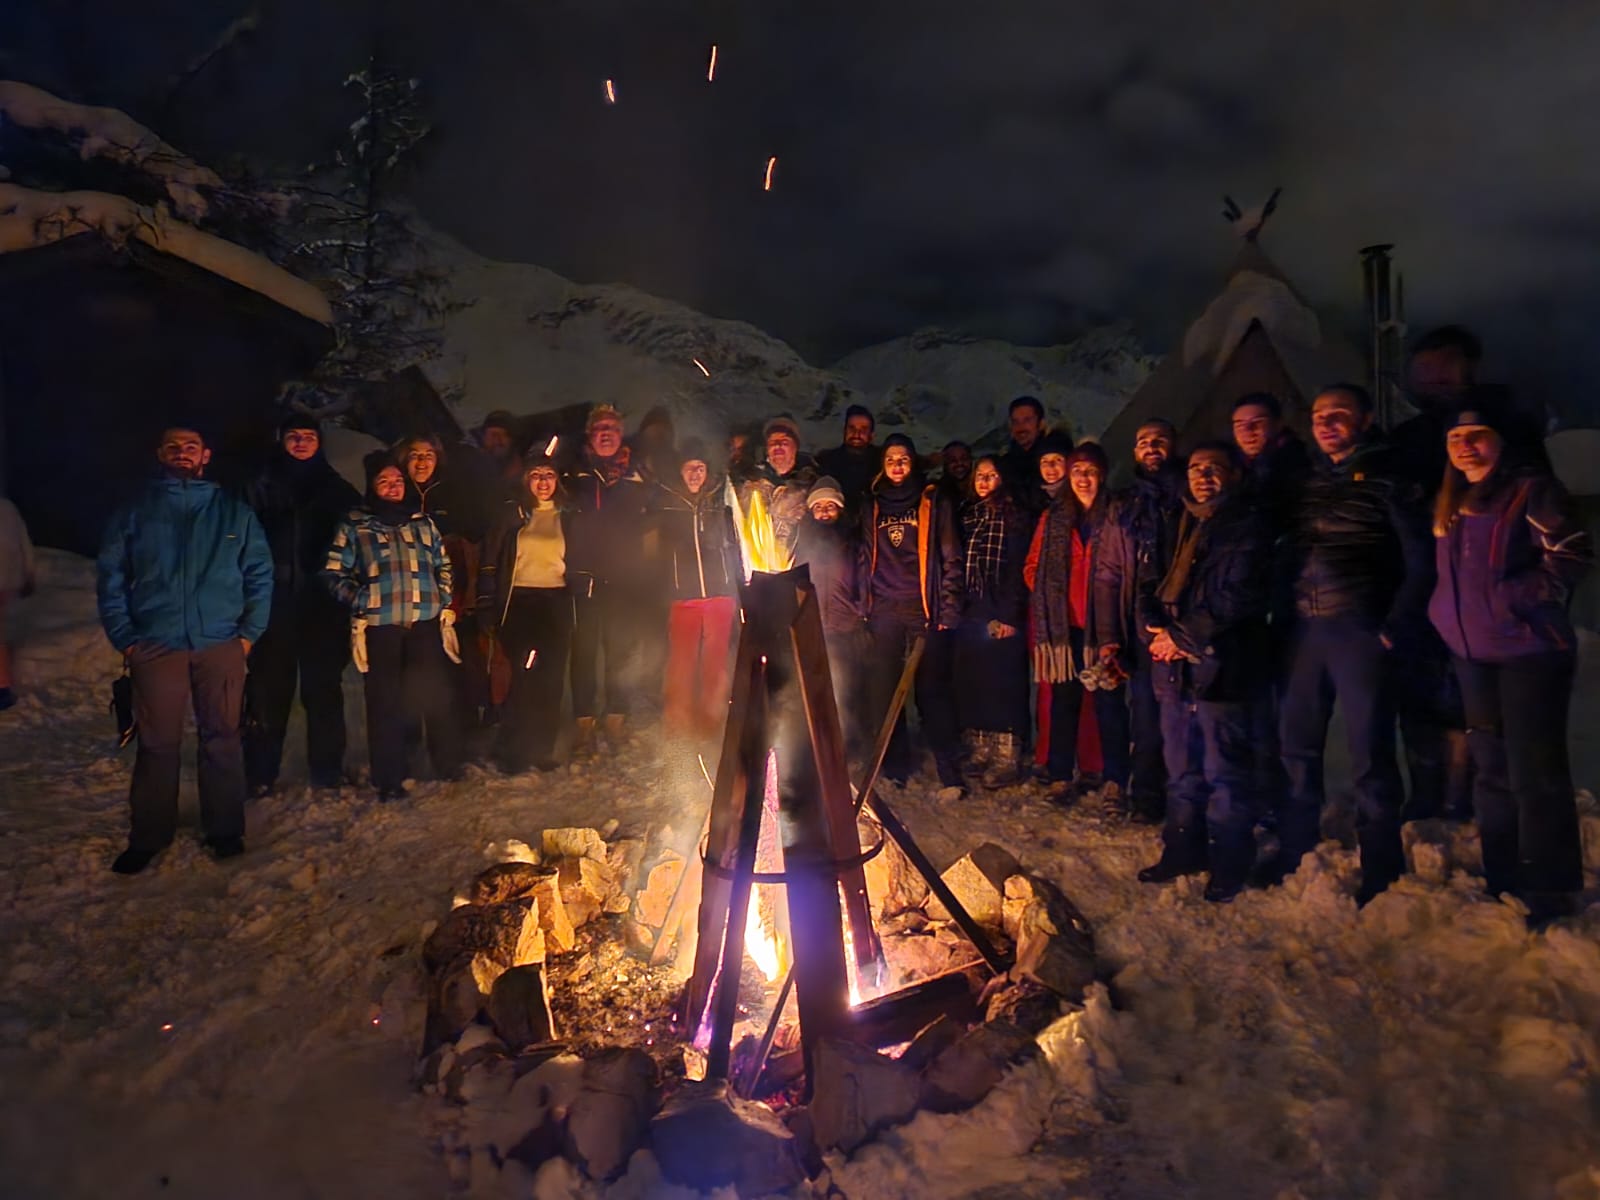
(1049, 608)
(610, 469)
(1176, 580)
(391, 512)
(984, 527)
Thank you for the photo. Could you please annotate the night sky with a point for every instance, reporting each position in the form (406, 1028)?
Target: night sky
(1019, 169)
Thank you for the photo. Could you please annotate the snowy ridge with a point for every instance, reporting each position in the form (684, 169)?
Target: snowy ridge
(1284, 1047)
(525, 339)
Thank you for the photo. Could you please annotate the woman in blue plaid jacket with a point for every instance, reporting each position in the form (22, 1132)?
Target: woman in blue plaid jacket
(388, 564)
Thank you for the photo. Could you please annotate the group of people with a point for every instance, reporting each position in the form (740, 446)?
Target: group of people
(1210, 613)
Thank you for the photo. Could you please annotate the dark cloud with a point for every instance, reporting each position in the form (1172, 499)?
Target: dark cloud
(1015, 168)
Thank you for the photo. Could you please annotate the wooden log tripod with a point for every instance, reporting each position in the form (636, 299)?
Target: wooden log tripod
(783, 702)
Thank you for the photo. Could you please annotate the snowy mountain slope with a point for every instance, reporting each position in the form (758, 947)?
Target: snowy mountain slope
(525, 339)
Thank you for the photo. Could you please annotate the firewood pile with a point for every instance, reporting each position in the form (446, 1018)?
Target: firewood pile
(557, 1049)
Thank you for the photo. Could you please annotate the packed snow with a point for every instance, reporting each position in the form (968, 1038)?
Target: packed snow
(249, 1029)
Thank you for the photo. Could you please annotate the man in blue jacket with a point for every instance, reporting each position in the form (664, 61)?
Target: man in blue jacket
(185, 589)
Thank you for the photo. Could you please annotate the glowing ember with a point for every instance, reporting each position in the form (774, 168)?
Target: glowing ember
(167, 1028)
(532, 654)
(702, 367)
(711, 68)
(550, 446)
(771, 164)
(611, 92)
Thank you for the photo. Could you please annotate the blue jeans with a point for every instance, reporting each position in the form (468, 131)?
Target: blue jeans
(1210, 757)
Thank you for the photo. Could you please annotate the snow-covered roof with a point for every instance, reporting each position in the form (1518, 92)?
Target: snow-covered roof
(109, 134)
(30, 218)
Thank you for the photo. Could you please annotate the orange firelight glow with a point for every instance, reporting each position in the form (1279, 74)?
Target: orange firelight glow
(772, 163)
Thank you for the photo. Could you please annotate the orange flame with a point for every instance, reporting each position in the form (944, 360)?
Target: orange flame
(711, 69)
(611, 92)
(771, 164)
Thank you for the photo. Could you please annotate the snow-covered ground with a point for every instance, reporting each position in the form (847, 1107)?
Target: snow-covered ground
(249, 1029)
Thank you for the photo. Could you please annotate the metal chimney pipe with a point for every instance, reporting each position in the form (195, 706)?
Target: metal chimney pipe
(1383, 341)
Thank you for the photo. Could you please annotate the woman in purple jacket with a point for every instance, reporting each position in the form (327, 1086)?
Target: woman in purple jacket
(1509, 552)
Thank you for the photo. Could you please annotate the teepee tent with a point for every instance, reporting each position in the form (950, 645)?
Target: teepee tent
(1259, 334)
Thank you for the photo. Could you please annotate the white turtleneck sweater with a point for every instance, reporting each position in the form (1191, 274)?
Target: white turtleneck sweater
(541, 551)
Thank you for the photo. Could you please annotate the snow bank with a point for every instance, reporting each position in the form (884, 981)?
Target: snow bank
(1285, 1046)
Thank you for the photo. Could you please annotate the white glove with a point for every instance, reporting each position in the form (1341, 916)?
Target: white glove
(447, 634)
(358, 643)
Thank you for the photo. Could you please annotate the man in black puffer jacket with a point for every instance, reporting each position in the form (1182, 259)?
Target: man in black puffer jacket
(1208, 615)
(1137, 536)
(299, 499)
(1358, 558)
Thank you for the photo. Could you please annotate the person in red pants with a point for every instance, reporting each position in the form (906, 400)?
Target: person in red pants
(701, 560)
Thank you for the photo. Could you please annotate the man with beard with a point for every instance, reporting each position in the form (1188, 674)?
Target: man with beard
(1207, 614)
(299, 499)
(498, 439)
(1020, 463)
(1138, 536)
(609, 579)
(955, 473)
(854, 463)
(1360, 561)
(184, 581)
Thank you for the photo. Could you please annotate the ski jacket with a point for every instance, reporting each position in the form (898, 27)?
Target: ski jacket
(389, 574)
(606, 545)
(299, 505)
(854, 470)
(697, 541)
(184, 566)
(938, 553)
(1358, 545)
(1220, 618)
(497, 565)
(831, 555)
(1507, 566)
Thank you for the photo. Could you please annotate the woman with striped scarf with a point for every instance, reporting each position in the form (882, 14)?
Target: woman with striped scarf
(1058, 572)
(991, 667)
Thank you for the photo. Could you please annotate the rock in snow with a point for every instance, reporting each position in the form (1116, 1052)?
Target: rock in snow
(978, 880)
(705, 1137)
(857, 1092)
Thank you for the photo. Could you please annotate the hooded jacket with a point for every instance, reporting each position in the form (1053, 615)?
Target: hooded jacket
(299, 504)
(392, 572)
(938, 552)
(185, 566)
(1507, 566)
(697, 540)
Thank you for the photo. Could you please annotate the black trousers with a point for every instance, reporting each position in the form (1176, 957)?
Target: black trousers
(991, 680)
(166, 683)
(307, 644)
(1517, 728)
(1433, 733)
(537, 635)
(1338, 659)
(607, 621)
(890, 637)
(1111, 718)
(1148, 790)
(847, 655)
(409, 680)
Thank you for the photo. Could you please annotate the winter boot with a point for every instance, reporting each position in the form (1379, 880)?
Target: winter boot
(979, 745)
(616, 731)
(1008, 766)
(131, 861)
(583, 740)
